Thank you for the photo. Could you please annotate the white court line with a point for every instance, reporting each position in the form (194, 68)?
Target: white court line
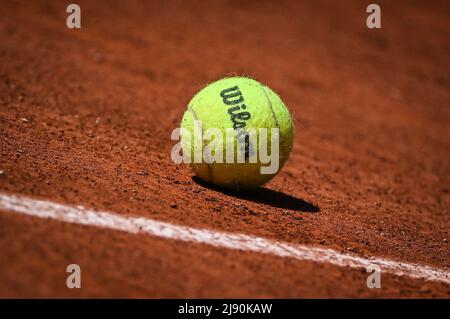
(135, 225)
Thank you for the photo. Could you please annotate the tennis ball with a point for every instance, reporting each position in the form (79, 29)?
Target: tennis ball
(239, 109)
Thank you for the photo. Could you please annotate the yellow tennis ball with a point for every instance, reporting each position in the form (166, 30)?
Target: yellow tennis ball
(246, 114)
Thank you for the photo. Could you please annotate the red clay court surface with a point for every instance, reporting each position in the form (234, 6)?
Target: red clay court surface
(86, 117)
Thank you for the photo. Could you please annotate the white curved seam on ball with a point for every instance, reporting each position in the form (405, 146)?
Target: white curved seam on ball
(196, 120)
